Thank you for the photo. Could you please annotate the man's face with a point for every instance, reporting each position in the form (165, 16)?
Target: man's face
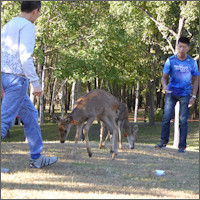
(35, 14)
(183, 48)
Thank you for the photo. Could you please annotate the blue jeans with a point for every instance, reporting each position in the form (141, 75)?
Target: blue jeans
(16, 101)
(170, 102)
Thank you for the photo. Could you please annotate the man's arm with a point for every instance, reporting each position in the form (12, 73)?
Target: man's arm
(164, 82)
(27, 43)
(194, 92)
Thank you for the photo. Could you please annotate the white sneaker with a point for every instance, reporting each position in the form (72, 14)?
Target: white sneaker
(42, 161)
(4, 170)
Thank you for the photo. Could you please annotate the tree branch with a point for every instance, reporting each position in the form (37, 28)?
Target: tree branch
(180, 30)
(67, 46)
(158, 24)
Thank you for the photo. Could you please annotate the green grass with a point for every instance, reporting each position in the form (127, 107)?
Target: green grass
(131, 175)
(146, 134)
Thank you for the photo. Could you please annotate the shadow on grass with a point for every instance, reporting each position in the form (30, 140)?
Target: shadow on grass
(132, 172)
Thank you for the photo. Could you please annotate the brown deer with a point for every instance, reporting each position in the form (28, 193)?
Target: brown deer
(123, 127)
(97, 104)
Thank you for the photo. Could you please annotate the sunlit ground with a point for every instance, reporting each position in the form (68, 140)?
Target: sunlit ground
(130, 176)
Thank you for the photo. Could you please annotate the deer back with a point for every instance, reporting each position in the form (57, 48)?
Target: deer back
(97, 104)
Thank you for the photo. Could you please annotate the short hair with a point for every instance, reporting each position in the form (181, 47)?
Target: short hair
(29, 6)
(184, 40)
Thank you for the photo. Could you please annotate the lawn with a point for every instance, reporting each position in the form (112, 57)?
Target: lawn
(130, 176)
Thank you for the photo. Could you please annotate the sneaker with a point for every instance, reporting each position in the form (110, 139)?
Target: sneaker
(42, 161)
(4, 170)
(181, 150)
(160, 145)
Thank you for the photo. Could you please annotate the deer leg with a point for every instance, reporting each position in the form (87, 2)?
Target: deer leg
(120, 134)
(77, 136)
(115, 143)
(112, 126)
(108, 136)
(101, 135)
(85, 132)
(110, 140)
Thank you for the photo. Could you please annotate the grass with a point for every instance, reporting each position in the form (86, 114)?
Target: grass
(147, 134)
(130, 176)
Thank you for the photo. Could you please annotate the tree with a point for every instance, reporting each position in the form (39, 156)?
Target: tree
(169, 34)
(111, 45)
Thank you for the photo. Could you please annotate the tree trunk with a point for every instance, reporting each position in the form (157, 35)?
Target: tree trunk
(136, 101)
(124, 94)
(158, 98)
(128, 99)
(101, 85)
(146, 106)
(133, 98)
(52, 98)
(38, 104)
(32, 97)
(177, 107)
(195, 111)
(115, 90)
(176, 125)
(66, 98)
(96, 83)
(88, 86)
(63, 97)
(69, 100)
(42, 97)
(78, 90)
(73, 94)
(50, 95)
(162, 101)
(151, 103)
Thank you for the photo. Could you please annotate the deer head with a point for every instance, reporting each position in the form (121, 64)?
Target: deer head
(132, 137)
(64, 127)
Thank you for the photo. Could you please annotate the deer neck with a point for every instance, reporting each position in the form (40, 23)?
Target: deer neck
(77, 116)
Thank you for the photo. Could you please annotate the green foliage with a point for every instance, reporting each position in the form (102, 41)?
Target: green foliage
(109, 40)
(158, 115)
(9, 9)
(115, 41)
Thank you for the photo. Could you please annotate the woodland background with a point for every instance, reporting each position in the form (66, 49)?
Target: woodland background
(117, 46)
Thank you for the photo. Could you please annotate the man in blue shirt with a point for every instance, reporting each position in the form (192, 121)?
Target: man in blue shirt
(182, 69)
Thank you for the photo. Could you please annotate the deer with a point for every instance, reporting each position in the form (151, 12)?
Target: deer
(97, 104)
(123, 127)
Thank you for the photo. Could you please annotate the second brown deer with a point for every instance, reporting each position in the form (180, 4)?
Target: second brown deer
(123, 127)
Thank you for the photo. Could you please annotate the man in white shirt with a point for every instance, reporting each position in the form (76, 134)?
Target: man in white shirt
(17, 69)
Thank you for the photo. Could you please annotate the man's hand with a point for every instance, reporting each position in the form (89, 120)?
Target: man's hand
(191, 102)
(37, 91)
(165, 88)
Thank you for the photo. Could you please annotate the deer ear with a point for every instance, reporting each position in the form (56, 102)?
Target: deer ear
(54, 117)
(135, 129)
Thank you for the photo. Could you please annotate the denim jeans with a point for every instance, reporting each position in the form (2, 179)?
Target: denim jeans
(17, 102)
(170, 102)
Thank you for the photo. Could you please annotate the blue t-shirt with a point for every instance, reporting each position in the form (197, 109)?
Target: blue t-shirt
(181, 72)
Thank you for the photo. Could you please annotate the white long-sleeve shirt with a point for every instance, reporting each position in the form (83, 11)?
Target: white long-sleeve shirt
(17, 45)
